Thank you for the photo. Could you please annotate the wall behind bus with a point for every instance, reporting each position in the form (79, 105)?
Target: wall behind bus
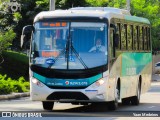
(156, 58)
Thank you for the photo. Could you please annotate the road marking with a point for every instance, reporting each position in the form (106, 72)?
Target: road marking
(151, 107)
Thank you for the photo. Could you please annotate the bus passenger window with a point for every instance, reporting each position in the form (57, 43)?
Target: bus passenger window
(129, 37)
(123, 36)
(135, 40)
(148, 38)
(119, 32)
(140, 39)
(144, 39)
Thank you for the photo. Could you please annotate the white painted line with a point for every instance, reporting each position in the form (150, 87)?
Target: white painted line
(151, 107)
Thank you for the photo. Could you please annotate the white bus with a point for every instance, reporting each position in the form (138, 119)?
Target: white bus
(68, 64)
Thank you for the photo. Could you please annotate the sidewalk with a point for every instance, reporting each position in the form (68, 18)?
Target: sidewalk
(14, 96)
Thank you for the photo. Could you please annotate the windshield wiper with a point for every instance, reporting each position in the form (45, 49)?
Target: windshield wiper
(78, 56)
(69, 48)
(67, 51)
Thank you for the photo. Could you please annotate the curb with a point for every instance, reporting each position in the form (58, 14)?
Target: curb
(14, 96)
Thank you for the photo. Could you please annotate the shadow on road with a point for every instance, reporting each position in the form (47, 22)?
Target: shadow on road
(100, 108)
(102, 111)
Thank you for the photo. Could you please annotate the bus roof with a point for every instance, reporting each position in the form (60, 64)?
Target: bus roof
(101, 12)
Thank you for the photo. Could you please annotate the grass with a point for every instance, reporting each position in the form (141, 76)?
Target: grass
(15, 65)
(17, 56)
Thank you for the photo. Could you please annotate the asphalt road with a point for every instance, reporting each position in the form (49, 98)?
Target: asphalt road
(149, 105)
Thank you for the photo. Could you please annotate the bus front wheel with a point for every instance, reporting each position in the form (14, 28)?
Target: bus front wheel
(113, 105)
(47, 105)
(135, 99)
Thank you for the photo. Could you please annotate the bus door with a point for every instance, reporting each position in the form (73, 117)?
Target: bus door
(114, 40)
(111, 49)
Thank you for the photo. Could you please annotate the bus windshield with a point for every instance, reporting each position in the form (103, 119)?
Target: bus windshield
(69, 45)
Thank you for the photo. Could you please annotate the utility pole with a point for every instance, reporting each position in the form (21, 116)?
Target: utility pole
(128, 5)
(52, 5)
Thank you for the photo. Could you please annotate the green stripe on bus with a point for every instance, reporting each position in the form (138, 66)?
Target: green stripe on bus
(134, 63)
(136, 19)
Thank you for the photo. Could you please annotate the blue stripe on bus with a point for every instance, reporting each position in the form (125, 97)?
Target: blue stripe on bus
(67, 82)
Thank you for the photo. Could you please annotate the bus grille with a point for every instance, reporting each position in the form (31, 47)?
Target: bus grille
(64, 87)
(67, 95)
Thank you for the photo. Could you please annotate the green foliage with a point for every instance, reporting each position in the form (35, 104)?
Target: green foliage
(42, 4)
(8, 85)
(8, 22)
(15, 65)
(66, 4)
(97, 3)
(118, 4)
(17, 16)
(149, 9)
(19, 57)
(6, 39)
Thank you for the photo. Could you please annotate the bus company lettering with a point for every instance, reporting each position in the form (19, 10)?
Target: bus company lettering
(131, 71)
(52, 83)
(74, 83)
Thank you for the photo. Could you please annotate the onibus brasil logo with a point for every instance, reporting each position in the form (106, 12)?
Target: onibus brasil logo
(12, 6)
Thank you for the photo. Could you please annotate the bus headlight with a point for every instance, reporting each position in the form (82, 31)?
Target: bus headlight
(37, 82)
(98, 83)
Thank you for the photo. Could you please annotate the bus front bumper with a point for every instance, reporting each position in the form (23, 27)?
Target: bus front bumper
(93, 93)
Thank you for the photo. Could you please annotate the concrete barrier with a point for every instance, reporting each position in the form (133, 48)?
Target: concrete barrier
(14, 96)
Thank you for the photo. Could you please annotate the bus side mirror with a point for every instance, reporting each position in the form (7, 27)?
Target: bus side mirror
(116, 40)
(26, 36)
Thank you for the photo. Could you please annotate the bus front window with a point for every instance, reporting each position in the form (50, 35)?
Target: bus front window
(70, 45)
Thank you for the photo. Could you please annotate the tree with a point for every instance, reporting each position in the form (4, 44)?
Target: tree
(149, 9)
(7, 23)
(6, 39)
(97, 3)
(66, 4)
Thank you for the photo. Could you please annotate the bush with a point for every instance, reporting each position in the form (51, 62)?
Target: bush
(19, 57)
(15, 65)
(8, 85)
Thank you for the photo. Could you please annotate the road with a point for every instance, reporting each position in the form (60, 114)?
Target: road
(150, 104)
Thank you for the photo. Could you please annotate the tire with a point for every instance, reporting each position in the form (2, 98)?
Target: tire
(136, 99)
(126, 101)
(113, 105)
(47, 105)
(75, 103)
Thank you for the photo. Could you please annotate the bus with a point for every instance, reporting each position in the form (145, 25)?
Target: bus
(64, 69)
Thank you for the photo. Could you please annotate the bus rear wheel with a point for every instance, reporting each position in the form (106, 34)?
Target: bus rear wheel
(47, 105)
(126, 101)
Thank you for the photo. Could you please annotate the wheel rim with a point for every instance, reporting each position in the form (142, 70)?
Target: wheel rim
(117, 94)
(138, 92)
